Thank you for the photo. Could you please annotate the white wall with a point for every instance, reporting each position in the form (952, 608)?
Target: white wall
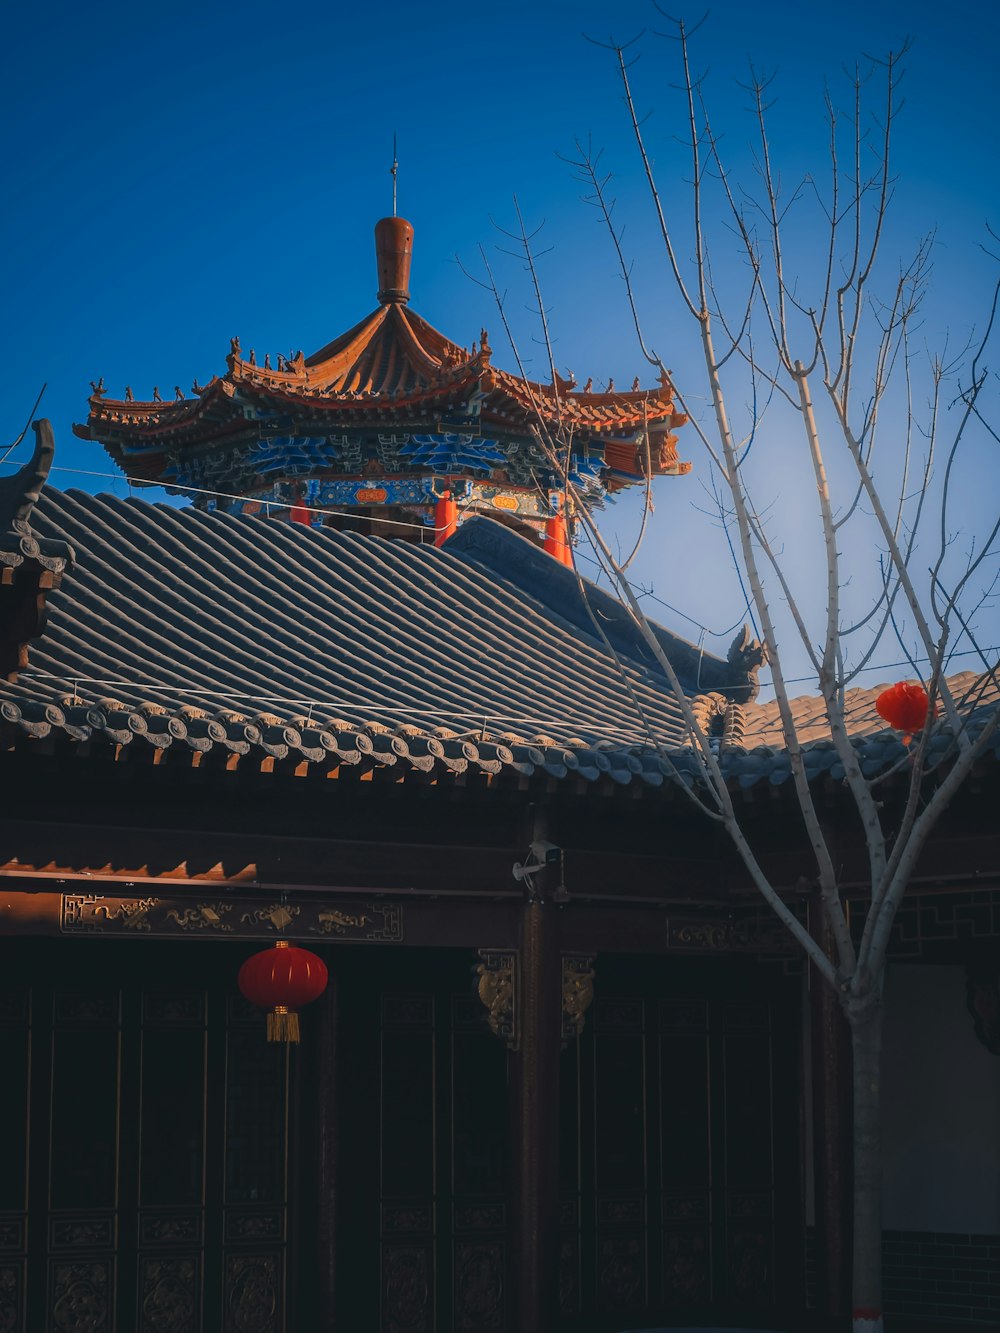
(941, 1107)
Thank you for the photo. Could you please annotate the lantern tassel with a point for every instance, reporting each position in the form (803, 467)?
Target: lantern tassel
(282, 1025)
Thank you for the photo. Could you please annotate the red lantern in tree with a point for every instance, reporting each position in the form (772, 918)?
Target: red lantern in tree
(905, 706)
(281, 980)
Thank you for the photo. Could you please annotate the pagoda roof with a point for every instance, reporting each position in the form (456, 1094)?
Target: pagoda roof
(392, 367)
(391, 361)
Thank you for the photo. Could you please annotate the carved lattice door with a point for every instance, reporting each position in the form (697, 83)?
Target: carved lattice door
(422, 1214)
(680, 1144)
(144, 1182)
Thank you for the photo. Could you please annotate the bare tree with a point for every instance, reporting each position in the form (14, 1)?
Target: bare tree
(819, 350)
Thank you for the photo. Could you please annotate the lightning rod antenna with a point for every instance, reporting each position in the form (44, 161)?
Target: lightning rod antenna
(393, 170)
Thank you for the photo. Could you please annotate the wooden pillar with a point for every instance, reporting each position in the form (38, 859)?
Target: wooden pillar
(327, 1125)
(534, 1108)
(445, 518)
(832, 1147)
(557, 539)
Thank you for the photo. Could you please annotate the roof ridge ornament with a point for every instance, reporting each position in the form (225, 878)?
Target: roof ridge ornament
(746, 656)
(32, 565)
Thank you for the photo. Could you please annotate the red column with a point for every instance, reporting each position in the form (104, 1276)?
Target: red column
(557, 539)
(445, 518)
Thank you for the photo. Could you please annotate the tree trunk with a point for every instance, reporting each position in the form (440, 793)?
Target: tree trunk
(832, 1137)
(865, 1018)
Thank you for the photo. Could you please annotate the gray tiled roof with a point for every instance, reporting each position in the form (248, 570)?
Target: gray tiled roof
(236, 636)
(878, 746)
(205, 630)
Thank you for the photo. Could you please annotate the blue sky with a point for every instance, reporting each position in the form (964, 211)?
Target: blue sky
(176, 174)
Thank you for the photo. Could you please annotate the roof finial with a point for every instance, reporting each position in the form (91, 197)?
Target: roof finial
(393, 249)
(392, 171)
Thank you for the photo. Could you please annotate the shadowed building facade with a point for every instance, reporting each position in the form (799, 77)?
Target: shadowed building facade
(568, 1073)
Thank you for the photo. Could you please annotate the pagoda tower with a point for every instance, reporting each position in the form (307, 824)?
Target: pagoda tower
(393, 429)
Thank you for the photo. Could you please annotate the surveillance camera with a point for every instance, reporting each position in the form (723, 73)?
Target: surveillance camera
(545, 852)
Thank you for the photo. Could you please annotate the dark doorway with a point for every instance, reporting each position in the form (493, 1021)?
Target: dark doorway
(680, 1146)
(422, 1211)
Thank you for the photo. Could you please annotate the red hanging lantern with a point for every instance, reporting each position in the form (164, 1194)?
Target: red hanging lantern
(281, 980)
(906, 707)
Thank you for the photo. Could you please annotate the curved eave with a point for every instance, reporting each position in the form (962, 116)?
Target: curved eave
(111, 417)
(627, 462)
(602, 413)
(392, 364)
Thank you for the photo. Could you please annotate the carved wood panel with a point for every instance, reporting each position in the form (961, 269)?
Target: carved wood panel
(407, 1288)
(479, 1286)
(81, 1296)
(169, 1294)
(12, 1296)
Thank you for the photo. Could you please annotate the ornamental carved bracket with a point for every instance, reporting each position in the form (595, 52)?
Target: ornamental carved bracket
(497, 988)
(577, 993)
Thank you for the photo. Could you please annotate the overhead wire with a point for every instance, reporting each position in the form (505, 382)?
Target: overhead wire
(171, 488)
(11, 447)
